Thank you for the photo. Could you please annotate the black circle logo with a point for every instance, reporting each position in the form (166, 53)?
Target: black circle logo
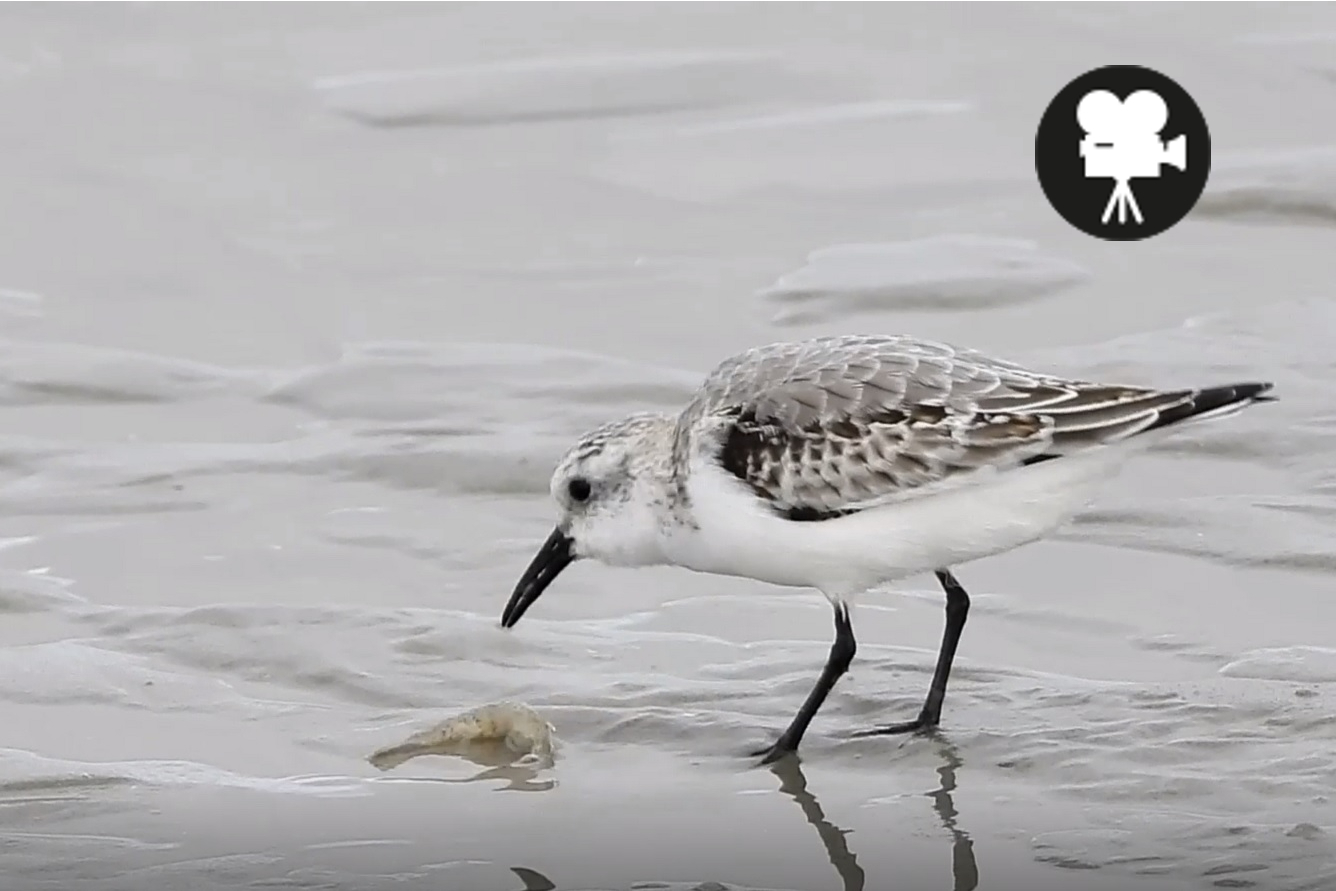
(1122, 153)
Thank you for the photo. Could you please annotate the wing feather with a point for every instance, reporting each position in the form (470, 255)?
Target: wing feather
(831, 426)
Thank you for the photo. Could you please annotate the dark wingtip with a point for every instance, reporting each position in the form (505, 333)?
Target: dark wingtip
(1256, 392)
(1211, 399)
(1263, 393)
(1206, 400)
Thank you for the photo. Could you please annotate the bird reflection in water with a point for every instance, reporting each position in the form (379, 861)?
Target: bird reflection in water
(793, 783)
(964, 869)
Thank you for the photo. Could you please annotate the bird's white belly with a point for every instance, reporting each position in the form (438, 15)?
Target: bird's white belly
(987, 515)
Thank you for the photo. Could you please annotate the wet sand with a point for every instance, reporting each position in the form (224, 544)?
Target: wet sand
(300, 303)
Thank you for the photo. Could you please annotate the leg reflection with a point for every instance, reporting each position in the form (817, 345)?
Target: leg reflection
(964, 869)
(793, 783)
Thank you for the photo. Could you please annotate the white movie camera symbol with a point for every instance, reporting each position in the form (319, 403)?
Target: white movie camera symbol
(1122, 143)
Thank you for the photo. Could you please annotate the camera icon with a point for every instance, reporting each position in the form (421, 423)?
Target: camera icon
(1122, 143)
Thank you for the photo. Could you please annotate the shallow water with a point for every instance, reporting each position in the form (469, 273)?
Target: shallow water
(299, 304)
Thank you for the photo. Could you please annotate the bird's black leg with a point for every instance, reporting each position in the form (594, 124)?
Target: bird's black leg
(837, 663)
(957, 608)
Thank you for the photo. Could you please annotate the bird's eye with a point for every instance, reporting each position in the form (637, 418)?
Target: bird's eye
(579, 489)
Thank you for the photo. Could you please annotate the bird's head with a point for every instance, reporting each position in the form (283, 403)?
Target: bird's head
(610, 490)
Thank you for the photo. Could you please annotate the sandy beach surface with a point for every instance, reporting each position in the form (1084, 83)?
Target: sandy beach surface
(301, 302)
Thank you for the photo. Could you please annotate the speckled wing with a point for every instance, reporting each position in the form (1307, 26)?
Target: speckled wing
(830, 426)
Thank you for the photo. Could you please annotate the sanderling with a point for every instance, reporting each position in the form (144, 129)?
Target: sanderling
(844, 463)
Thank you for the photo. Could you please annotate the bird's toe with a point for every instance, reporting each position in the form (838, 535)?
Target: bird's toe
(771, 753)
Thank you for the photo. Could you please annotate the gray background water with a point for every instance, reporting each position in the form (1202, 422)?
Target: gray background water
(301, 302)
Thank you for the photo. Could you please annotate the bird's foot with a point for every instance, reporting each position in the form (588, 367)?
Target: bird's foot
(922, 724)
(772, 753)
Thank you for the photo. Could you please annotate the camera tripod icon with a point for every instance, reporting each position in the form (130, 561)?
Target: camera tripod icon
(1122, 143)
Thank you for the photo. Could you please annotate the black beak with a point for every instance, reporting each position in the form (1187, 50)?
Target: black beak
(554, 556)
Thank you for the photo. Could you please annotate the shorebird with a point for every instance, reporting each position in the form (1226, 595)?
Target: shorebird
(846, 463)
